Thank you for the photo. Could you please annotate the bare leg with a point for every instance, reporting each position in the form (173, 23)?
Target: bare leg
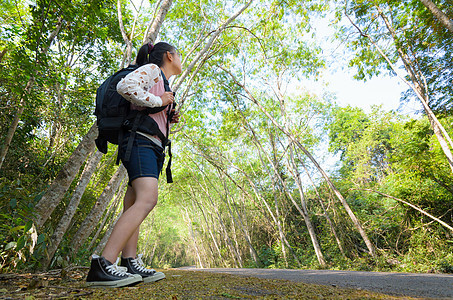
(130, 250)
(145, 199)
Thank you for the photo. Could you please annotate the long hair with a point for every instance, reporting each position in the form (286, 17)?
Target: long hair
(154, 54)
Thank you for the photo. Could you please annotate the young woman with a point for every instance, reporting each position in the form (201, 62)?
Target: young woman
(146, 87)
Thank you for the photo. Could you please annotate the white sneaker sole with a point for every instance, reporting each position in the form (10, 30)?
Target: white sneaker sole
(156, 277)
(132, 280)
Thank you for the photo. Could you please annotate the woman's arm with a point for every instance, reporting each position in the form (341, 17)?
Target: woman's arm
(134, 87)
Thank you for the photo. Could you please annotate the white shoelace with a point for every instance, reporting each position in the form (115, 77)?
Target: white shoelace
(114, 268)
(117, 270)
(138, 263)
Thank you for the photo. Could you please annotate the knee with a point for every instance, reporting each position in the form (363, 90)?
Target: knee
(146, 206)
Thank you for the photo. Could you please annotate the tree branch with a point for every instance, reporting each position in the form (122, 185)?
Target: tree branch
(209, 44)
(411, 205)
(154, 27)
(440, 15)
(128, 52)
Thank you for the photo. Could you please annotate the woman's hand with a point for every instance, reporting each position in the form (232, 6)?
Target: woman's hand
(175, 118)
(167, 98)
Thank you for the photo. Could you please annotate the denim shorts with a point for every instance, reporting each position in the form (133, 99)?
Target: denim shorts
(146, 158)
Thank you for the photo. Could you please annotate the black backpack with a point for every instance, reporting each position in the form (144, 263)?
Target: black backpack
(114, 118)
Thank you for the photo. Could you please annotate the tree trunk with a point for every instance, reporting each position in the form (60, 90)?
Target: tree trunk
(277, 212)
(154, 27)
(56, 125)
(326, 214)
(248, 239)
(147, 240)
(153, 252)
(311, 229)
(296, 175)
(128, 52)
(276, 173)
(127, 58)
(13, 126)
(303, 212)
(345, 204)
(234, 252)
(193, 239)
(414, 207)
(235, 239)
(250, 197)
(98, 209)
(351, 214)
(65, 220)
(60, 185)
(205, 245)
(105, 238)
(258, 195)
(111, 212)
(240, 223)
(214, 240)
(440, 15)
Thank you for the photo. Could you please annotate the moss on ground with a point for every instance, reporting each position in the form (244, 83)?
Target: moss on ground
(178, 285)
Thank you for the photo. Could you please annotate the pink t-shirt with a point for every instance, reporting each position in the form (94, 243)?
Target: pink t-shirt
(143, 88)
(160, 117)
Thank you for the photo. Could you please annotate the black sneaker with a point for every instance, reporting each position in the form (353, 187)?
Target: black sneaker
(105, 274)
(136, 266)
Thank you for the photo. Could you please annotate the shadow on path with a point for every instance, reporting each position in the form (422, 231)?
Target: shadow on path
(398, 284)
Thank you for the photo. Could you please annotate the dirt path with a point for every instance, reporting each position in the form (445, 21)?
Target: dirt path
(179, 284)
(398, 284)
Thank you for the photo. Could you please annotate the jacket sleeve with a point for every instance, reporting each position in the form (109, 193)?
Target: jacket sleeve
(135, 86)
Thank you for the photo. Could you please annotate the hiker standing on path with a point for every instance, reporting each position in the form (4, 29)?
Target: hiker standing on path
(142, 155)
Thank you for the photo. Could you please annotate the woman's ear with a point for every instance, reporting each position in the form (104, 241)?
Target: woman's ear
(169, 56)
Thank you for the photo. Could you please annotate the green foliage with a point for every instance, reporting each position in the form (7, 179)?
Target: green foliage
(271, 257)
(400, 157)
(20, 243)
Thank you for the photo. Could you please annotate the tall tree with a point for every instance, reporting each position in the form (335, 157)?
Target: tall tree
(28, 87)
(71, 209)
(51, 31)
(68, 172)
(60, 185)
(91, 220)
(408, 45)
(304, 150)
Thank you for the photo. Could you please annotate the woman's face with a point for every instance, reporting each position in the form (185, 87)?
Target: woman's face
(176, 62)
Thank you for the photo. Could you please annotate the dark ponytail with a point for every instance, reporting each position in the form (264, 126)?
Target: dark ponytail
(154, 54)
